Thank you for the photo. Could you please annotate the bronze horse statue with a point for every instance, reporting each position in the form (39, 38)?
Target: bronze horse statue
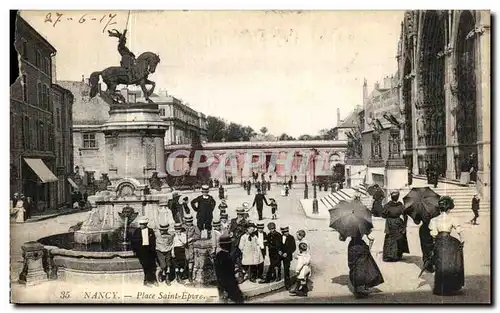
(136, 75)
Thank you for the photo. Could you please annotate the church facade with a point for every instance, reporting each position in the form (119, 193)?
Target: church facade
(444, 62)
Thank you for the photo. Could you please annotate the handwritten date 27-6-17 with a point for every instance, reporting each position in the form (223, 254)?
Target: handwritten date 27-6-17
(106, 19)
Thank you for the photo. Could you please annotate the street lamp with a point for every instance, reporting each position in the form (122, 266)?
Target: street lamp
(306, 188)
(315, 200)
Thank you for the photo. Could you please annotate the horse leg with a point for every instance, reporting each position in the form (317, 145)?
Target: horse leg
(153, 85)
(142, 83)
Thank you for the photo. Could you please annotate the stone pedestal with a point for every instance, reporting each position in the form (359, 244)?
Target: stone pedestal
(396, 174)
(134, 136)
(355, 172)
(204, 271)
(33, 271)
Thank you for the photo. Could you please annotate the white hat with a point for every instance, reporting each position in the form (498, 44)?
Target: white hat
(142, 220)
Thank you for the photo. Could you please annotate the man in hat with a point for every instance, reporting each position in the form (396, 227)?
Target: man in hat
(193, 234)
(274, 208)
(259, 200)
(274, 248)
(245, 185)
(249, 187)
(164, 246)
(144, 245)
(180, 242)
(186, 210)
(475, 209)
(222, 206)
(227, 285)
(204, 206)
(237, 228)
(221, 192)
(262, 240)
(287, 250)
(176, 207)
(224, 223)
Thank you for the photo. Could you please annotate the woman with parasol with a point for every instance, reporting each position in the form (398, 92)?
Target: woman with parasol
(353, 220)
(395, 242)
(448, 251)
(421, 204)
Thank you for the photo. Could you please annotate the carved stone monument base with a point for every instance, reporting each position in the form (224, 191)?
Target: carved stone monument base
(33, 272)
(204, 271)
(396, 174)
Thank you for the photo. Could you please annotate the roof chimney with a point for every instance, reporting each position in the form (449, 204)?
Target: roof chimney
(338, 116)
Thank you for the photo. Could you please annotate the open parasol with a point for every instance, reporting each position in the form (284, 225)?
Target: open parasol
(351, 218)
(421, 204)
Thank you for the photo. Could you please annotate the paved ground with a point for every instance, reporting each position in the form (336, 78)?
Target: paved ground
(330, 256)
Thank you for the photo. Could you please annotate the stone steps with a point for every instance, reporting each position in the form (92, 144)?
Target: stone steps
(461, 195)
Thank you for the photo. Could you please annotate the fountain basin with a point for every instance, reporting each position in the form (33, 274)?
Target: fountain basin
(96, 262)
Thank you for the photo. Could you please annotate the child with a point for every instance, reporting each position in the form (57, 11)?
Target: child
(164, 246)
(180, 241)
(251, 254)
(303, 269)
(224, 224)
(274, 208)
(222, 206)
(301, 235)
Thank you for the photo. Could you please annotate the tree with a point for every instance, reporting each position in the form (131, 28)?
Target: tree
(263, 130)
(216, 129)
(306, 137)
(285, 137)
(328, 134)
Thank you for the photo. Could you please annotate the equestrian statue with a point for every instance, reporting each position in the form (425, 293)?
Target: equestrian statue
(131, 71)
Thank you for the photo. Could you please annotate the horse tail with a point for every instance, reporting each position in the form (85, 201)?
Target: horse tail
(94, 84)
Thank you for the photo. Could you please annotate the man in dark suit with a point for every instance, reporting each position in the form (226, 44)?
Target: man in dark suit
(176, 207)
(144, 245)
(259, 200)
(475, 209)
(287, 250)
(227, 284)
(237, 227)
(186, 210)
(262, 240)
(204, 206)
(274, 247)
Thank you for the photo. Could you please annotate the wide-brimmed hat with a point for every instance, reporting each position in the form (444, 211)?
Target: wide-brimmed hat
(188, 218)
(446, 202)
(260, 225)
(177, 226)
(216, 223)
(271, 225)
(205, 188)
(284, 229)
(225, 239)
(164, 226)
(142, 220)
(240, 211)
(224, 215)
(303, 245)
(248, 225)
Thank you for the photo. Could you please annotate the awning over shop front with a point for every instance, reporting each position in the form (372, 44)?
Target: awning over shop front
(72, 183)
(41, 170)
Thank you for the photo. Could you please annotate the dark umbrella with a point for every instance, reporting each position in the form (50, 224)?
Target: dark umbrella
(351, 218)
(421, 204)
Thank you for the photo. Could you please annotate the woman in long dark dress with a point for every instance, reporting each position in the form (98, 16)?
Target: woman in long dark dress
(395, 242)
(448, 251)
(363, 270)
(377, 206)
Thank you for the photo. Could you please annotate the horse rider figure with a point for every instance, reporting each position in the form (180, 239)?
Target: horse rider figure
(128, 57)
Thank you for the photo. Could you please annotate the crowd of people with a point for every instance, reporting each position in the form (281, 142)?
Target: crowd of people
(442, 254)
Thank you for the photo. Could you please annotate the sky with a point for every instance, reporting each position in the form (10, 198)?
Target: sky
(288, 71)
